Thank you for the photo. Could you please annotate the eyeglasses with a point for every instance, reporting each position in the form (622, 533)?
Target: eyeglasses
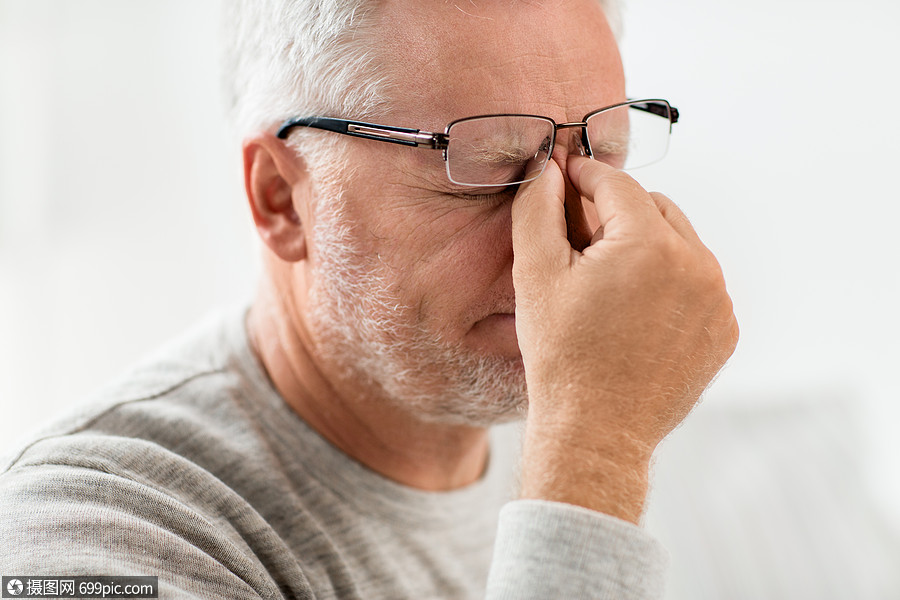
(494, 150)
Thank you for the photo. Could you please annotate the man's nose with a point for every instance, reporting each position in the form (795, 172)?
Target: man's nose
(568, 142)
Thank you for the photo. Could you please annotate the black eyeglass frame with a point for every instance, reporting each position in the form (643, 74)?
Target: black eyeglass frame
(440, 141)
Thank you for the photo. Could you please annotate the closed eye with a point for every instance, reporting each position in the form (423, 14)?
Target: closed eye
(488, 195)
(611, 152)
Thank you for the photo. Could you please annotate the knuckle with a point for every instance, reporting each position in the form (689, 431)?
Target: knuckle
(661, 199)
(713, 280)
(672, 254)
(735, 334)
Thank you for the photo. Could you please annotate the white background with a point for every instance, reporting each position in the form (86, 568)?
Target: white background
(122, 220)
(786, 161)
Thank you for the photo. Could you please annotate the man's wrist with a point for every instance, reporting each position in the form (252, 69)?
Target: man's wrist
(603, 471)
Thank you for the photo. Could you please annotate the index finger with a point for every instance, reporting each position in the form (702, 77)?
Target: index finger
(539, 222)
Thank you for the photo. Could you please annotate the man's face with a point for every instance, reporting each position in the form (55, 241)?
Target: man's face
(412, 298)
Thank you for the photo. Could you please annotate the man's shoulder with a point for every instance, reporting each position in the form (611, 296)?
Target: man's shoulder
(192, 392)
(159, 468)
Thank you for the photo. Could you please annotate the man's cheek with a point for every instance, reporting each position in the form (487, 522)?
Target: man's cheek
(441, 234)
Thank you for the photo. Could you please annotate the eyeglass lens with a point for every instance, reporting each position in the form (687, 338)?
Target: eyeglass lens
(628, 137)
(495, 150)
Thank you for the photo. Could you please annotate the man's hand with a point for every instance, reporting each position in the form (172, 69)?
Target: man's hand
(618, 341)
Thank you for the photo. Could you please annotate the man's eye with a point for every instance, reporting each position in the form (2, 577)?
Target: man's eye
(489, 195)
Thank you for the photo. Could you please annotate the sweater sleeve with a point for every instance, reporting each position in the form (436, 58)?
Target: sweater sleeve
(66, 520)
(554, 550)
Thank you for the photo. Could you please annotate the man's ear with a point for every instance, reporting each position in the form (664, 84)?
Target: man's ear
(278, 189)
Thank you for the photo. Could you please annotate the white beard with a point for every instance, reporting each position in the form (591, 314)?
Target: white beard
(363, 329)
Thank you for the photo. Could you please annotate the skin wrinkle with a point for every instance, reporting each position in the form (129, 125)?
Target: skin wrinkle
(441, 190)
(407, 274)
(388, 330)
(557, 95)
(470, 14)
(441, 206)
(444, 248)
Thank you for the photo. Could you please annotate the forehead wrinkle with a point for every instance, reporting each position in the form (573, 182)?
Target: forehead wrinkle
(527, 65)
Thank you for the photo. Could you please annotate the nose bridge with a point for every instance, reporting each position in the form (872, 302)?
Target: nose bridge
(569, 140)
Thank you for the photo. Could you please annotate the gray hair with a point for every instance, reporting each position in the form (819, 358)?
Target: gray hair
(290, 57)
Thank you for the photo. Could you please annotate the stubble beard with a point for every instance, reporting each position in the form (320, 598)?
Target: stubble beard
(370, 336)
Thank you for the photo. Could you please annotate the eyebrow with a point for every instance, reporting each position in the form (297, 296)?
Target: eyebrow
(610, 146)
(496, 153)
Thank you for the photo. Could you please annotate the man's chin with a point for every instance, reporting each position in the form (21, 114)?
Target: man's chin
(492, 392)
(477, 416)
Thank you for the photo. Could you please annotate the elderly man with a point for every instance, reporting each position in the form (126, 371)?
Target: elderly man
(450, 244)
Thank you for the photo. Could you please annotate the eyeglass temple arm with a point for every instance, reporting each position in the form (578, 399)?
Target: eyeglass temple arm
(384, 133)
(658, 108)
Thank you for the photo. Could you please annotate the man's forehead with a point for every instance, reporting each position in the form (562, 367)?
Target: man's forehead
(449, 60)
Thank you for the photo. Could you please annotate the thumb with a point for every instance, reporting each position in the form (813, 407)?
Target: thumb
(540, 245)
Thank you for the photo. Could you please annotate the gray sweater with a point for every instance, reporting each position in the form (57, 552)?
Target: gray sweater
(193, 469)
